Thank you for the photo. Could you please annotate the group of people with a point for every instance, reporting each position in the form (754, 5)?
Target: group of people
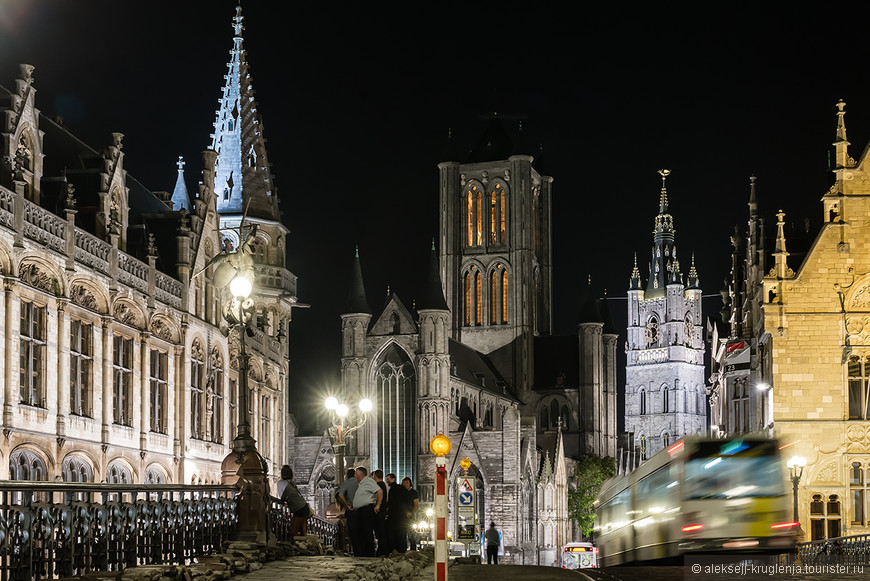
(378, 508)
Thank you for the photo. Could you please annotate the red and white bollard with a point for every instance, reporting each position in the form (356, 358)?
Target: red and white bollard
(440, 446)
(441, 519)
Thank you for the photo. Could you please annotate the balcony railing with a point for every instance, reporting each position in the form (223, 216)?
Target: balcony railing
(63, 529)
(852, 550)
(280, 516)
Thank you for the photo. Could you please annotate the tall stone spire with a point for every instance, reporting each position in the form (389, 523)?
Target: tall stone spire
(841, 144)
(635, 282)
(661, 270)
(356, 297)
(780, 255)
(434, 293)
(180, 197)
(243, 178)
(693, 281)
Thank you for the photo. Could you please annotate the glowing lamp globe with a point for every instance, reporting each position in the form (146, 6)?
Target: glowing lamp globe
(341, 410)
(241, 287)
(465, 463)
(331, 403)
(440, 445)
(365, 405)
(429, 512)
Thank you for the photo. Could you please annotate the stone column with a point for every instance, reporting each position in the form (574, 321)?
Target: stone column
(108, 416)
(63, 350)
(13, 307)
(145, 411)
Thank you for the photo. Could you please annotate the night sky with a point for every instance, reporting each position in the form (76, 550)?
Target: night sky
(357, 99)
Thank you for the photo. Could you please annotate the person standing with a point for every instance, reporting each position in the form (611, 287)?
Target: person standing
(414, 506)
(381, 518)
(493, 540)
(345, 498)
(367, 504)
(399, 506)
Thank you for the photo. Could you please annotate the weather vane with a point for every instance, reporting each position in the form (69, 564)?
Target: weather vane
(664, 173)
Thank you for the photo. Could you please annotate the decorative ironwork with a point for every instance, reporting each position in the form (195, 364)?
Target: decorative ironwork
(280, 515)
(65, 529)
(853, 550)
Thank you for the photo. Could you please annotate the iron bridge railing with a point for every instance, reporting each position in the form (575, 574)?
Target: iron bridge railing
(852, 550)
(60, 529)
(280, 516)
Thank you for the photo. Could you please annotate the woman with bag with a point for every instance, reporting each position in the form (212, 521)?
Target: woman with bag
(289, 494)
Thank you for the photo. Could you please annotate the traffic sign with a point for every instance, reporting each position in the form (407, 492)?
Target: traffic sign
(466, 498)
(466, 484)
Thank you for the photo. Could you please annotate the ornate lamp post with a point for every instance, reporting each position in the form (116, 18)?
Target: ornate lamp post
(796, 469)
(239, 314)
(440, 446)
(343, 425)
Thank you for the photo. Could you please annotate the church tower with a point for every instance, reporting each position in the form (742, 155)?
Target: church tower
(665, 392)
(496, 260)
(243, 181)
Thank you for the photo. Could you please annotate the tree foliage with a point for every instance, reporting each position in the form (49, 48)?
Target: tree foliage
(590, 473)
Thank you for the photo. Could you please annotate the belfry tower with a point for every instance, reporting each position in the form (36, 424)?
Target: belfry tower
(664, 378)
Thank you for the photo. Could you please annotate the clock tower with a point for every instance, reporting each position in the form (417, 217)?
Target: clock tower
(665, 397)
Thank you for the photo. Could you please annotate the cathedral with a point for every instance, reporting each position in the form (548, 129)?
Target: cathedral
(475, 359)
(116, 367)
(665, 393)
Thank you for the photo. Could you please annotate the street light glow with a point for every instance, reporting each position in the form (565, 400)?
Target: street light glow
(365, 405)
(341, 410)
(331, 403)
(241, 287)
(794, 461)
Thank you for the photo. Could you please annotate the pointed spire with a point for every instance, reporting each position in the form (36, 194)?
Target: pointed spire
(841, 145)
(663, 198)
(780, 255)
(693, 281)
(661, 268)
(433, 298)
(356, 296)
(243, 178)
(180, 197)
(753, 202)
(635, 283)
(547, 470)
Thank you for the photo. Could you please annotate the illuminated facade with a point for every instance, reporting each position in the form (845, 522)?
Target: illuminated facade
(808, 314)
(665, 397)
(115, 367)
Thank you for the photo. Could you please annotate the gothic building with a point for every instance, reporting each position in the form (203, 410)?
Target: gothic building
(475, 359)
(665, 396)
(798, 304)
(115, 367)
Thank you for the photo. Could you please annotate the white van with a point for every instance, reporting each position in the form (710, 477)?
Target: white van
(579, 556)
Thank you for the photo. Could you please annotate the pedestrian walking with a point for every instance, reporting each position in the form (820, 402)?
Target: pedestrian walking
(493, 540)
(366, 504)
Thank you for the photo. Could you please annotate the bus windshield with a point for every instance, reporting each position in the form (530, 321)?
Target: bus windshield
(734, 469)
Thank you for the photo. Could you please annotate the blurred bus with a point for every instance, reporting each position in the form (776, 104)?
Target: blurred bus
(698, 495)
(579, 556)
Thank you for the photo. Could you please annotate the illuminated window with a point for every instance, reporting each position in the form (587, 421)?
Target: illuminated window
(197, 373)
(469, 213)
(493, 217)
(81, 360)
(32, 337)
(493, 297)
(479, 218)
(499, 218)
(504, 297)
(122, 380)
(859, 388)
(858, 494)
(478, 297)
(474, 216)
(159, 372)
(468, 296)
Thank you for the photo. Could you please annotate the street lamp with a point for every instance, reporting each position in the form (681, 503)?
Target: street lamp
(238, 314)
(343, 425)
(796, 469)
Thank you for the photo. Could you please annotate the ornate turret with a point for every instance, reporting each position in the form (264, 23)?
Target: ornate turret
(635, 282)
(693, 281)
(243, 180)
(661, 271)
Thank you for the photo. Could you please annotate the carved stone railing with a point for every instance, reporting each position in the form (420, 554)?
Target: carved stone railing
(44, 227)
(92, 251)
(262, 343)
(133, 272)
(280, 515)
(65, 529)
(274, 277)
(169, 290)
(6, 207)
(853, 550)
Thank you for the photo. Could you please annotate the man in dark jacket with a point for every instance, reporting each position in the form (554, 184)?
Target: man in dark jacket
(399, 514)
(381, 518)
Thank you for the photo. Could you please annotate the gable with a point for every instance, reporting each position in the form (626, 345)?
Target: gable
(395, 319)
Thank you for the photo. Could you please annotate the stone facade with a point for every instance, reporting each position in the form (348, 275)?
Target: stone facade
(813, 349)
(664, 380)
(115, 366)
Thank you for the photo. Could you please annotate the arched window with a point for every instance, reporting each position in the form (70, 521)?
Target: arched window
(468, 299)
(825, 517)
(666, 407)
(642, 401)
(197, 373)
(396, 383)
(154, 476)
(565, 416)
(859, 388)
(666, 439)
(76, 470)
(545, 420)
(474, 216)
(478, 297)
(504, 296)
(258, 250)
(215, 394)
(25, 465)
(502, 207)
(643, 449)
(858, 494)
(493, 297)
(117, 473)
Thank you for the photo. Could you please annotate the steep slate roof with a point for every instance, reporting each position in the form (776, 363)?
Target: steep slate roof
(356, 296)
(472, 366)
(433, 295)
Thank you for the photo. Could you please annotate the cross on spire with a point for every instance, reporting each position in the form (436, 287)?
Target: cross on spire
(237, 21)
(180, 163)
